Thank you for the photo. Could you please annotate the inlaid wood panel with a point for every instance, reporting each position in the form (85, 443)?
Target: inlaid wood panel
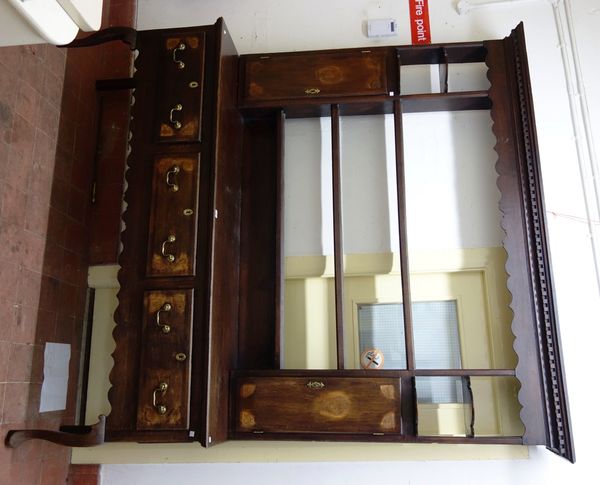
(180, 85)
(163, 401)
(174, 216)
(318, 405)
(346, 73)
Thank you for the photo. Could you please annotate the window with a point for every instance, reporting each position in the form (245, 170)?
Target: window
(437, 345)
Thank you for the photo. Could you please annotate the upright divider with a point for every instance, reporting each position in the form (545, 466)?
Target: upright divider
(407, 385)
(279, 241)
(338, 242)
(402, 230)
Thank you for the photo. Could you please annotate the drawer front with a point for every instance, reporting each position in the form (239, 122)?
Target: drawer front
(174, 216)
(318, 405)
(308, 75)
(179, 90)
(163, 401)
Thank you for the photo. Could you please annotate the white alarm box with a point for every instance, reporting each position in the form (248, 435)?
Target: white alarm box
(381, 28)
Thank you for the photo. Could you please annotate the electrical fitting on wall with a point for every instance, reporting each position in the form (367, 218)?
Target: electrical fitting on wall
(382, 28)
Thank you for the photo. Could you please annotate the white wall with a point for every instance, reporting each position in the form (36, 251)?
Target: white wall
(451, 193)
(539, 469)
(450, 183)
(277, 25)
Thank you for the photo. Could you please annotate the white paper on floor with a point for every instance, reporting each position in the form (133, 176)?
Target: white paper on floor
(56, 377)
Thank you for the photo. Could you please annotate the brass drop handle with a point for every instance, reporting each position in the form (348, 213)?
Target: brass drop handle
(312, 91)
(180, 64)
(171, 178)
(315, 385)
(166, 308)
(176, 124)
(162, 388)
(163, 248)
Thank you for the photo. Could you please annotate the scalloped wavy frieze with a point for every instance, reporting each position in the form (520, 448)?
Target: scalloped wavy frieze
(542, 394)
(121, 315)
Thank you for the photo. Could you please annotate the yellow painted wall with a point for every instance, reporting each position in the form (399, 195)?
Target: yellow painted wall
(474, 278)
(288, 451)
(317, 289)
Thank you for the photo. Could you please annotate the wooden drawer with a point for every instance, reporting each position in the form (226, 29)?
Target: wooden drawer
(318, 405)
(180, 86)
(173, 217)
(165, 360)
(349, 73)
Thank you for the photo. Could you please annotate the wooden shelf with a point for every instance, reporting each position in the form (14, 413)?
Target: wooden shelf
(434, 53)
(372, 105)
(399, 373)
(383, 438)
(459, 101)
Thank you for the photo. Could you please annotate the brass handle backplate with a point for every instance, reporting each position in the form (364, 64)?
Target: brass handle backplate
(163, 248)
(180, 64)
(162, 388)
(312, 91)
(171, 178)
(176, 124)
(315, 385)
(166, 308)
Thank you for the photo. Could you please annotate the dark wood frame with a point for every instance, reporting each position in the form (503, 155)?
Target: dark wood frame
(217, 264)
(543, 391)
(239, 284)
(535, 326)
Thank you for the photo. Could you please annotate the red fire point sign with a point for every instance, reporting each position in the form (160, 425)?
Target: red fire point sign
(419, 21)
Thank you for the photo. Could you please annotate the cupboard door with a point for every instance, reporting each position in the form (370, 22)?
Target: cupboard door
(348, 73)
(318, 405)
(163, 401)
(180, 85)
(173, 217)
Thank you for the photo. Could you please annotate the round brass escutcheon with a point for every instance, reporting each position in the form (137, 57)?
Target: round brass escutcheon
(193, 84)
(162, 409)
(311, 91)
(180, 356)
(188, 212)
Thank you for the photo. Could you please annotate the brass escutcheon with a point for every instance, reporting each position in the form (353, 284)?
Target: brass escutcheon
(180, 356)
(315, 385)
(312, 91)
(193, 84)
(188, 212)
